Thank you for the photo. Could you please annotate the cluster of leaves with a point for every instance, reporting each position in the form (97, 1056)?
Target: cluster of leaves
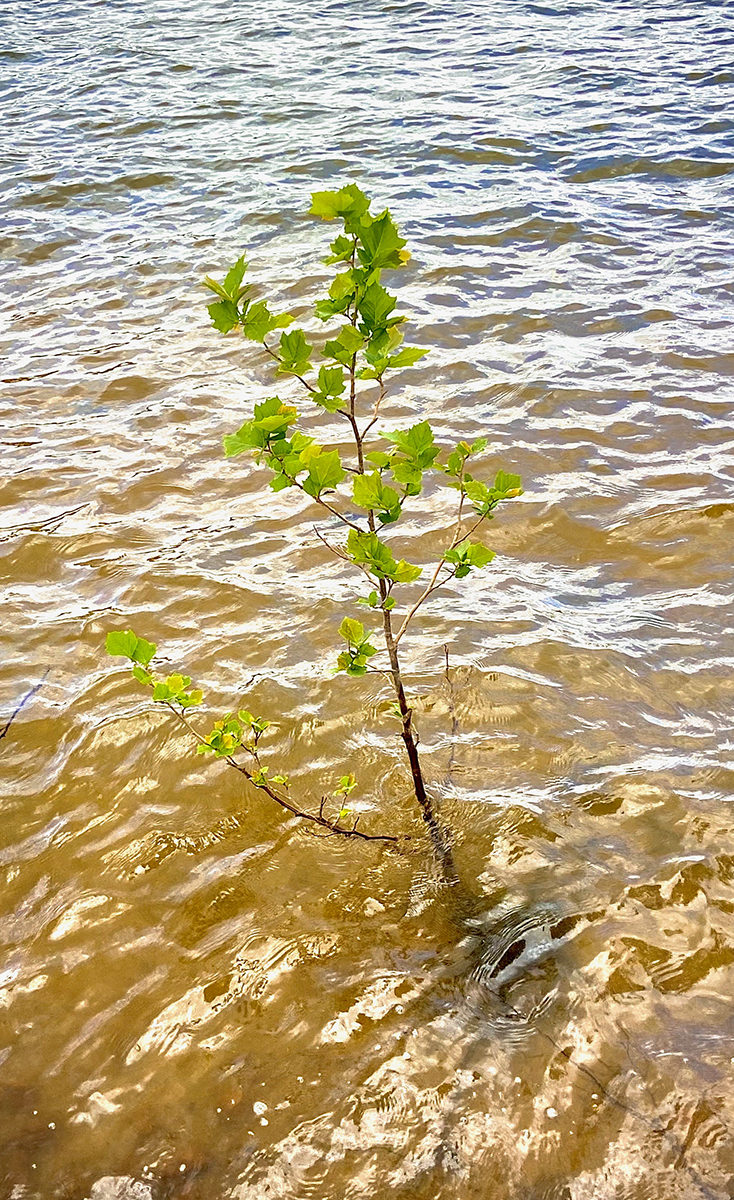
(354, 659)
(466, 556)
(175, 689)
(232, 732)
(235, 308)
(235, 731)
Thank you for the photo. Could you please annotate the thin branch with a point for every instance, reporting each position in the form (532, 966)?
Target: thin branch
(334, 511)
(334, 549)
(309, 387)
(433, 586)
(470, 531)
(378, 402)
(28, 696)
(317, 819)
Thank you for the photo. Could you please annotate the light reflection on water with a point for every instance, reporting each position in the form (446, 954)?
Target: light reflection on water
(194, 993)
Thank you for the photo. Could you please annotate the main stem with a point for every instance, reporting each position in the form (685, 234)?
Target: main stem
(437, 831)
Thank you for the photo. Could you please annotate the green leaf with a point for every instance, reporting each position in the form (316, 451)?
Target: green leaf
(408, 474)
(161, 691)
(352, 631)
(330, 388)
(389, 602)
(381, 243)
(406, 357)
(375, 307)
(349, 201)
(507, 486)
(326, 309)
(346, 784)
(231, 287)
(467, 556)
(121, 642)
(142, 674)
(368, 550)
(479, 444)
(215, 287)
(345, 345)
(341, 250)
(234, 277)
(244, 439)
(370, 492)
(224, 315)
(342, 285)
(406, 572)
(295, 353)
(416, 444)
(258, 321)
(324, 472)
(379, 459)
(126, 644)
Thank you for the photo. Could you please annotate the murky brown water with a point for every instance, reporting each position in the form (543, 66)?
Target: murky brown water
(272, 1016)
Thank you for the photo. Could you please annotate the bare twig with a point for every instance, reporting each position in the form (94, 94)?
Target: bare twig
(28, 696)
(378, 402)
(264, 786)
(433, 586)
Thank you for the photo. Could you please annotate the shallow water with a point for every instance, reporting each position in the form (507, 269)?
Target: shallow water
(261, 1016)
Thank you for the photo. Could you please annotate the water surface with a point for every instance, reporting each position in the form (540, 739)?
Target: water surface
(259, 1014)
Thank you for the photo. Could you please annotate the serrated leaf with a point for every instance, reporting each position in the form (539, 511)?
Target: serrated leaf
(326, 309)
(224, 315)
(379, 458)
(341, 250)
(121, 642)
(161, 691)
(375, 307)
(381, 243)
(406, 357)
(405, 572)
(367, 549)
(330, 388)
(507, 486)
(416, 443)
(349, 201)
(258, 321)
(370, 492)
(478, 555)
(233, 278)
(348, 341)
(295, 353)
(324, 472)
(342, 285)
(352, 631)
(237, 443)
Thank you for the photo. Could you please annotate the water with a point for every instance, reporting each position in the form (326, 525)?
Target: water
(265, 1015)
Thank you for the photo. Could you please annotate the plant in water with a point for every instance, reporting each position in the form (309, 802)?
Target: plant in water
(364, 494)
